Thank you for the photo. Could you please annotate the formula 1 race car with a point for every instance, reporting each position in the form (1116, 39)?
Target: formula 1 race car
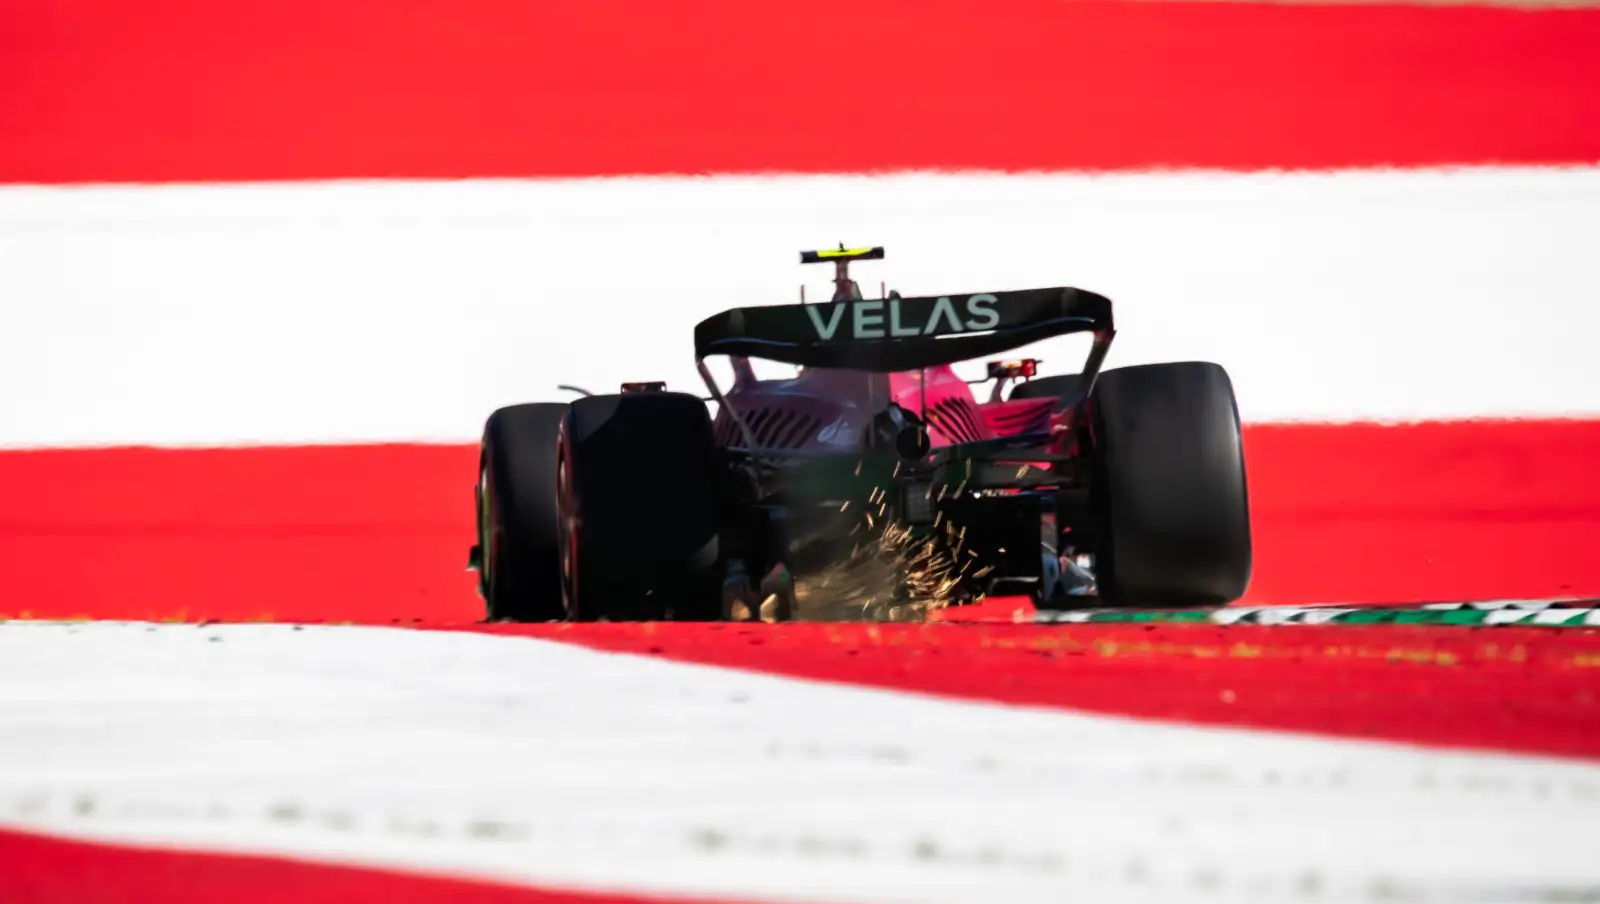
(873, 474)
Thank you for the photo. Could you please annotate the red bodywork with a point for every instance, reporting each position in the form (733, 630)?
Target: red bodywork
(832, 410)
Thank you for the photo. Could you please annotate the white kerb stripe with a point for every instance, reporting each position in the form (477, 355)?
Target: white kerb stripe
(515, 758)
(399, 311)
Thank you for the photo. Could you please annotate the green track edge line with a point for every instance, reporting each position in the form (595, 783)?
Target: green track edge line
(1530, 613)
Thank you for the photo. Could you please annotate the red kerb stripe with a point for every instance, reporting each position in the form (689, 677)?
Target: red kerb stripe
(1441, 511)
(198, 90)
(37, 869)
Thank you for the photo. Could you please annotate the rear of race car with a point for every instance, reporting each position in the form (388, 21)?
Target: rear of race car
(877, 458)
(873, 476)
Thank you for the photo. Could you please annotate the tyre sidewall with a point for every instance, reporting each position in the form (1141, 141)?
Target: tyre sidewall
(640, 509)
(520, 574)
(1170, 498)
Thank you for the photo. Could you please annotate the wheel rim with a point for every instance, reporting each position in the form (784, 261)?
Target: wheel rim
(567, 531)
(486, 556)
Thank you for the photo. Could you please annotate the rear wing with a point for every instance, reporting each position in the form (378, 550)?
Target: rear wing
(894, 334)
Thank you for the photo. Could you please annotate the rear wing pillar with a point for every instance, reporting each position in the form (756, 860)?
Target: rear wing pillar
(844, 288)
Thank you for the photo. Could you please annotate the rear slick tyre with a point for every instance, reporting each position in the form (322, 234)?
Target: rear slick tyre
(1169, 497)
(519, 576)
(638, 480)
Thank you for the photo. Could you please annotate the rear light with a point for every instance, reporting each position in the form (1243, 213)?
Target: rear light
(657, 386)
(1027, 367)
